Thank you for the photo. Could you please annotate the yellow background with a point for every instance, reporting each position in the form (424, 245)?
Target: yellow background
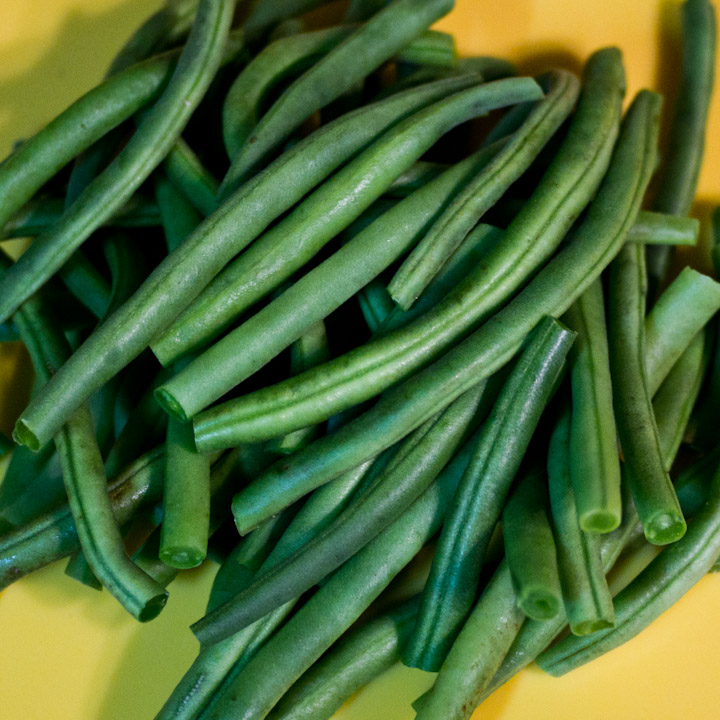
(69, 653)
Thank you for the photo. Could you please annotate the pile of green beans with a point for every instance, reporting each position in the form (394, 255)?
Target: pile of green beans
(314, 346)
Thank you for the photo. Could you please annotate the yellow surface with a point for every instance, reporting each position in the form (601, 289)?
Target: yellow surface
(69, 653)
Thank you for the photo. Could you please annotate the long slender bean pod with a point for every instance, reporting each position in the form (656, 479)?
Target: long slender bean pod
(461, 216)
(594, 461)
(530, 548)
(181, 277)
(576, 266)
(266, 14)
(663, 229)
(352, 60)
(431, 49)
(179, 218)
(452, 586)
(196, 182)
(649, 481)
(681, 170)
(152, 140)
(86, 283)
(534, 235)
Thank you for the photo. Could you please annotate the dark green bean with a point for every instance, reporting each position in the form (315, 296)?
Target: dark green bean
(152, 140)
(433, 49)
(477, 652)
(147, 558)
(127, 269)
(179, 217)
(585, 593)
(86, 283)
(491, 68)
(194, 180)
(266, 14)
(676, 569)
(594, 461)
(79, 569)
(681, 169)
(388, 497)
(644, 469)
(357, 658)
(6, 445)
(693, 483)
(462, 215)
(182, 276)
(360, 10)
(561, 195)
(403, 408)
(452, 586)
(530, 548)
(375, 304)
(356, 57)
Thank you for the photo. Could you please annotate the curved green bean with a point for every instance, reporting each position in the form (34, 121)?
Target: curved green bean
(594, 461)
(530, 548)
(364, 51)
(181, 277)
(452, 586)
(403, 408)
(153, 139)
(463, 213)
(561, 195)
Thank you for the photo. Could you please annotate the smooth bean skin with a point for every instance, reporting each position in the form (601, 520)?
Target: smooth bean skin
(644, 469)
(562, 194)
(179, 218)
(576, 266)
(675, 570)
(152, 140)
(352, 60)
(195, 181)
(428, 257)
(594, 461)
(452, 585)
(173, 285)
(661, 228)
(266, 14)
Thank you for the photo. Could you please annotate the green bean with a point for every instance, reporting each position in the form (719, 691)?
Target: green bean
(530, 548)
(594, 461)
(79, 569)
(693, 483)
(8, 332)
(681, 170)
(147, 147)
(356, 57)
(265, 264)
(274, 258)
(491, 68)
(563, 192)
(127, 270)
(403, 408)
(662, 229)
(585, 593)
(333, 608)
(357, 658)
(248, 95)
(676, 569)
(477, 652)
(360, 10)
(375, 304)
(179, 279)
(266, 14)
(192, 178)
(53, 536)
(460, 217)
(432, 48)
(147, 558)
(510, 122)
(40, 213)
(86, 283)
(388, 497)
(310, 349)
(415, 177)
(676, 397)
(179, 217)
(186, 500)
(649, 482)
(451, 588)
(680, 313)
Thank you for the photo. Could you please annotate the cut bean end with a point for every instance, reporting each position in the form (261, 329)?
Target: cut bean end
(599, 521)
(539, 604)
(591, 626)
(152, 608)
(170, 405)
(23, 435)
(182, 558)
(665, 528)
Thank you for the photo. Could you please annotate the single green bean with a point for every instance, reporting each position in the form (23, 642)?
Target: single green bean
(452, 586)
(663, 229)
(433, 49)
(530, 548)
(561, 195)
(86, 283)
(181, 277)
(248, 95)
(190, 176)
(147, 558)
(681, 169)
(417, 175)
(179, 217)
(360, 10)
(358, 657)
(186, 500)
(152, 140)
(388, 497)
(6, 445)
(585, 593)
(685, 307)
(375, 304)
(265, 14)
(79, 569)
(403, 408)
(462, 215)
(127, 269)
(491, 68)
(649, 482)
(677, 568)
(594, 461)
(693, 483)
(477, 653)
(357, 56)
